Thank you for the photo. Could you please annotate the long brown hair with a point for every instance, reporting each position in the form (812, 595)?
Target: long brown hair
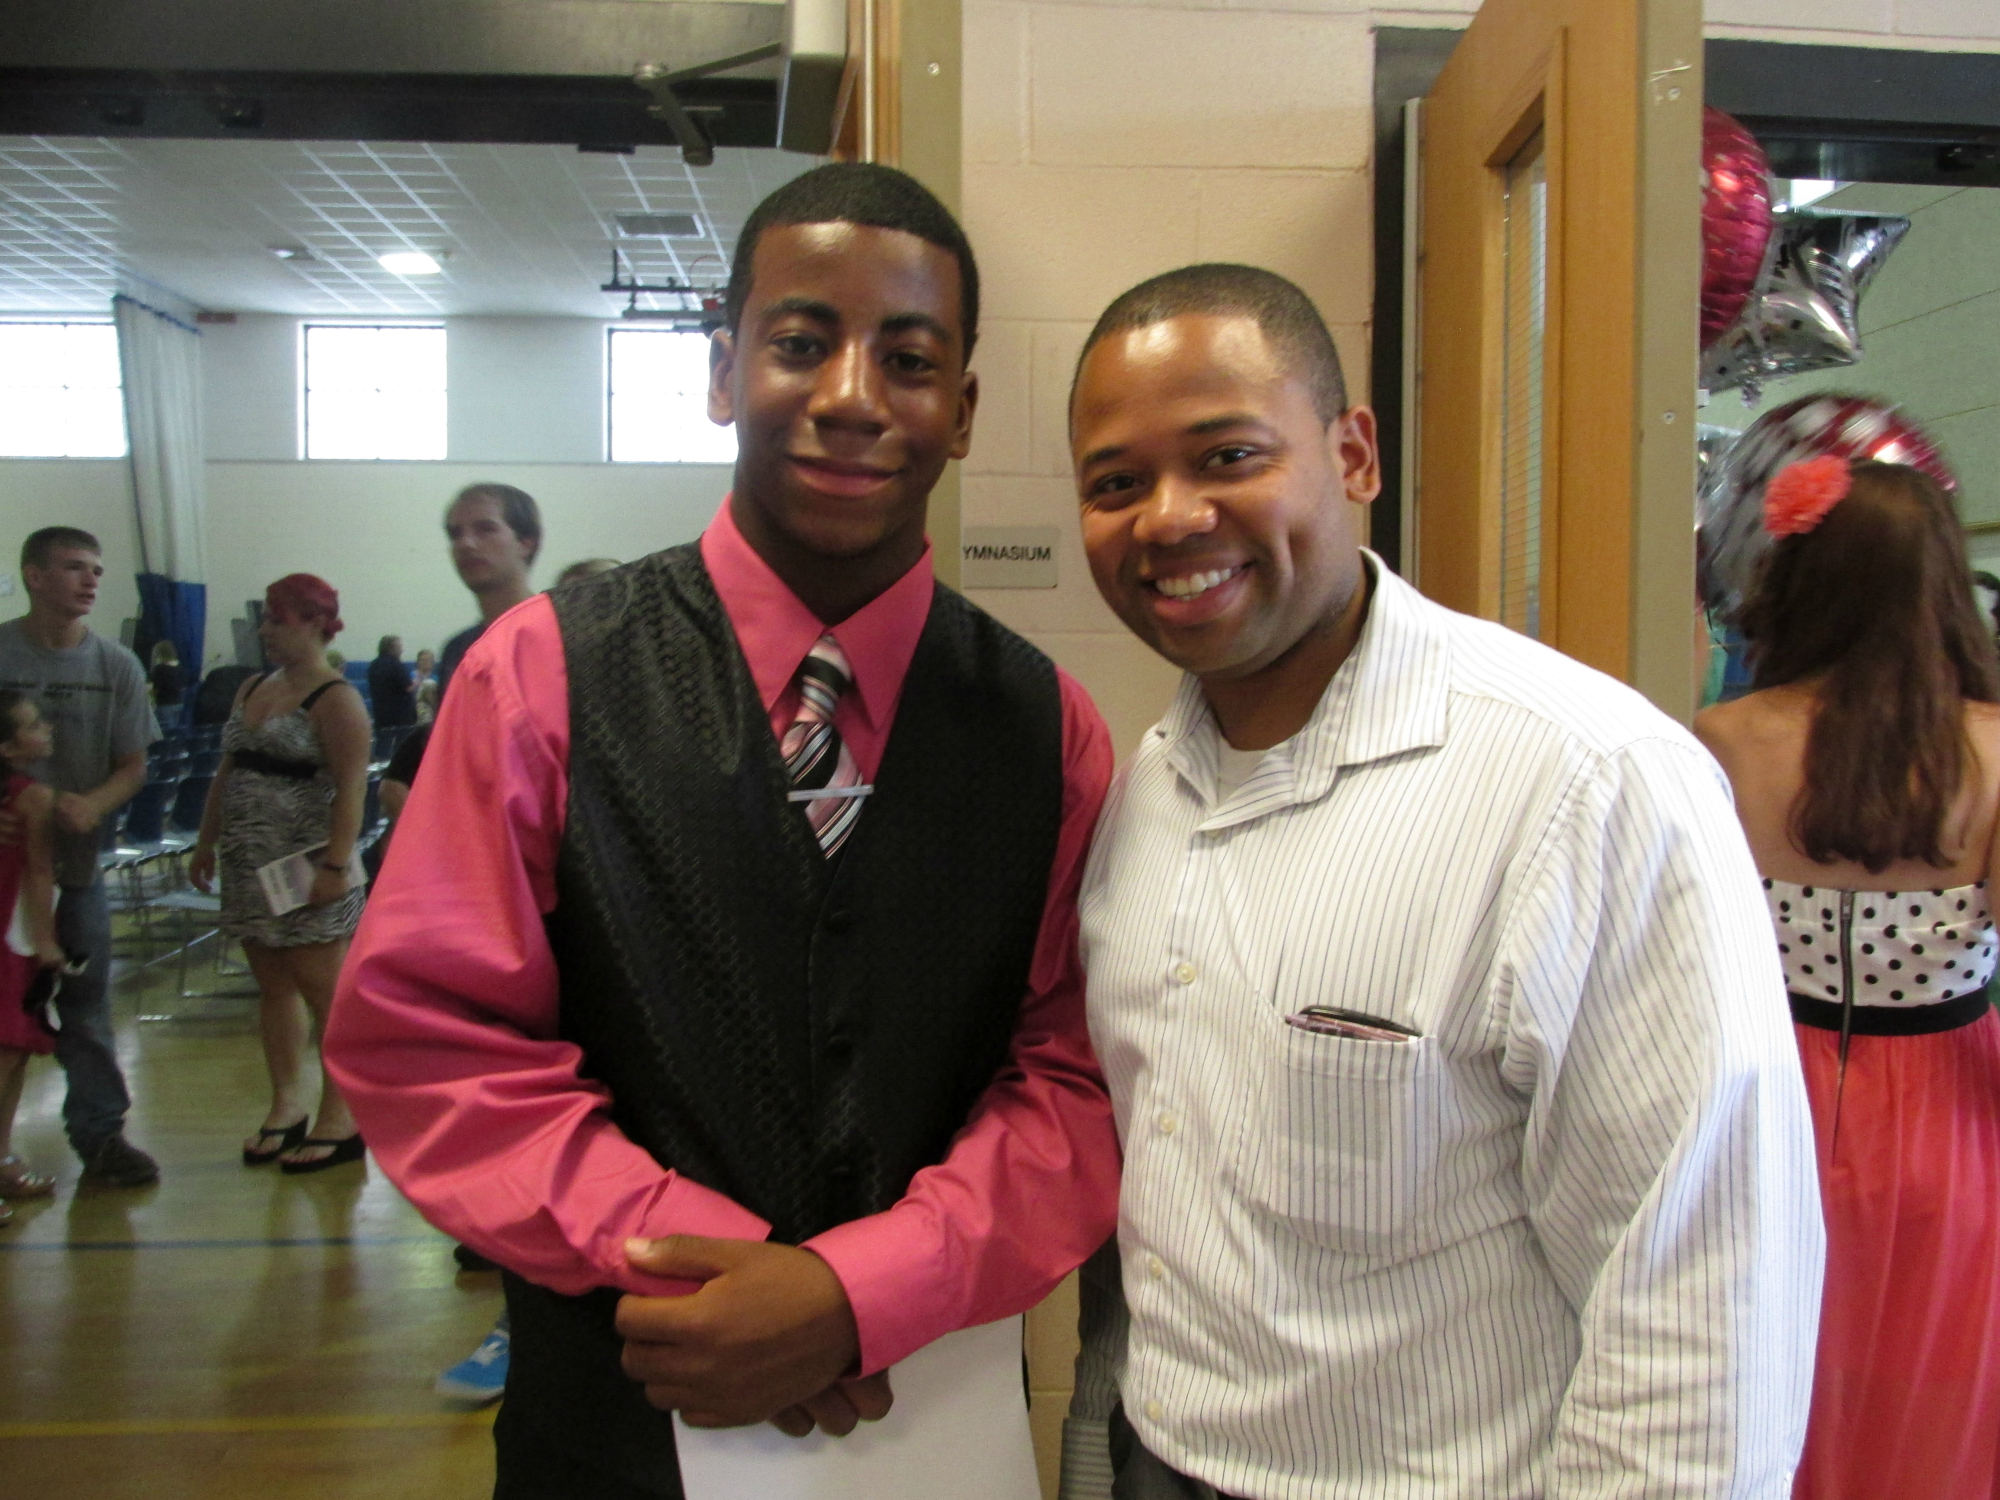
(1876, 601)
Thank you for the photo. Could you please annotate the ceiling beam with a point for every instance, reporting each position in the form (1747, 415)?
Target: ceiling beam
(533, 38)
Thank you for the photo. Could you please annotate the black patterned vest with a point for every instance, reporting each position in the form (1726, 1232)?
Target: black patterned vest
(800, 1035)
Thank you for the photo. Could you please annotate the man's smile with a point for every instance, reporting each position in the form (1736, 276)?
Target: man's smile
(841, 477)
(1193, 585)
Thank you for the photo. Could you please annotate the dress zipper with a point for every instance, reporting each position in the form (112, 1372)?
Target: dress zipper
(1846, 1009)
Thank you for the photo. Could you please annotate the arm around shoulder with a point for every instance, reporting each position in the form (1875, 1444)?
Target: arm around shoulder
(35, 806)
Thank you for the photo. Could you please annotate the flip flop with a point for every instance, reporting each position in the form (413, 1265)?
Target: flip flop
(288, 1137)
(343, 1151)
(16, 1181)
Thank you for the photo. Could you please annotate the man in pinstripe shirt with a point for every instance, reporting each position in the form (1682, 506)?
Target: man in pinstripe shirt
(1466, 1152)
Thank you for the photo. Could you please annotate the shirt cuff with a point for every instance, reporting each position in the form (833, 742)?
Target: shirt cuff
(684, 1207)
(891, 1276)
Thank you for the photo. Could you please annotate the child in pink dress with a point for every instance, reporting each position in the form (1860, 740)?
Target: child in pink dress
(27, 926)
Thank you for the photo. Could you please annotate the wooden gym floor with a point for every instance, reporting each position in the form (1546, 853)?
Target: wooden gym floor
(231, 1332)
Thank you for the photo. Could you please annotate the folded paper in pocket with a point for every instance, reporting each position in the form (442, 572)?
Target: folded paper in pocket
(1333, 1020)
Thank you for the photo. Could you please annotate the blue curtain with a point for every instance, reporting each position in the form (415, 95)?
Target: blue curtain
(170, 610)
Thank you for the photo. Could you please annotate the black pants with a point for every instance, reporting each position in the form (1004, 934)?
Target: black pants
(526, 1466)
(1138, 1474)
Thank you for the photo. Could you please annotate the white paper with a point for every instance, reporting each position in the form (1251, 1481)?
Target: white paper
(287, 880)
(959, 1427)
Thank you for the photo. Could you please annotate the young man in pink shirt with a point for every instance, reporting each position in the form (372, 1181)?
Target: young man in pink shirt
(725, 989)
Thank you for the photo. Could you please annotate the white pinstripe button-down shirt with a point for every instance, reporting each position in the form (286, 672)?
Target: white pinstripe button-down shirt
(1567, 1242)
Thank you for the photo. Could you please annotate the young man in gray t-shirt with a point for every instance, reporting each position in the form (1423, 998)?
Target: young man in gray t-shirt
(93, 691)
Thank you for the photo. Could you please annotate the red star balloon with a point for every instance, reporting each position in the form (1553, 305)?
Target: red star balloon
(1735, 220)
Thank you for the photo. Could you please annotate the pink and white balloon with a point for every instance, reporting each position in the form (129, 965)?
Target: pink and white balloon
(1730, 528)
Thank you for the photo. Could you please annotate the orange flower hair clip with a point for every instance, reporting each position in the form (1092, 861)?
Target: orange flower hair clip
(1799, 495)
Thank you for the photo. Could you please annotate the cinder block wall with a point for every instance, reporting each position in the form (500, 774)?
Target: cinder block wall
(1107, 142)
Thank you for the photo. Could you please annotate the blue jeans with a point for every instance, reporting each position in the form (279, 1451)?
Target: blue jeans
(95, 1105)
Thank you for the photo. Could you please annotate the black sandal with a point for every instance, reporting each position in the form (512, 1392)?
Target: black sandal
(343, 1151)
(287, 1137)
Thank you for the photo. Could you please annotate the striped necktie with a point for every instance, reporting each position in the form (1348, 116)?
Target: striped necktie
(815, 759)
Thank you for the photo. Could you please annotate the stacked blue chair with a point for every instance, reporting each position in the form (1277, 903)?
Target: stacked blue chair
(146, 814)
(192, 796)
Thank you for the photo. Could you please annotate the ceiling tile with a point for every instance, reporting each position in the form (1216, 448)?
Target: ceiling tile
(526, 229)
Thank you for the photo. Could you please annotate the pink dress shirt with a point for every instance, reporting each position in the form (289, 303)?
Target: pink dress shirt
(444, 1031)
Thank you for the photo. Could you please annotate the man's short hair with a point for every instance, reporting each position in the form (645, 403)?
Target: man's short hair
(517, 508)
(1284, 313)
(382, 646)
(857, 192)
(41, 545)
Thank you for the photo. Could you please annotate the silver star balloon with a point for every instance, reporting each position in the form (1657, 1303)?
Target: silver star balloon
(1806, 314)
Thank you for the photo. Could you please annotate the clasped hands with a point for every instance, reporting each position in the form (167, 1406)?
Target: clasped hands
(767, 1337)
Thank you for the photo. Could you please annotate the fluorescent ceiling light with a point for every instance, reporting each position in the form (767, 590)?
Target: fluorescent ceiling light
(290, 252)
(408, 263)
(677, 226)
(1804, 190)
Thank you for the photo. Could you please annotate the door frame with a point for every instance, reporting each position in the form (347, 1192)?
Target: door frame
(1888, 107)
(1617, 87)
(903, 108)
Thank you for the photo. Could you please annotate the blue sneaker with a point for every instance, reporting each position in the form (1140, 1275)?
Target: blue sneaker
(482, 1375)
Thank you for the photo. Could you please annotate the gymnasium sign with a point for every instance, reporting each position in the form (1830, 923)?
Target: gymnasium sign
(1008, 557)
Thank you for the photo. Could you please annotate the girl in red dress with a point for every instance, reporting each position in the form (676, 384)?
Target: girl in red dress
(1867, 773)
(27, 926)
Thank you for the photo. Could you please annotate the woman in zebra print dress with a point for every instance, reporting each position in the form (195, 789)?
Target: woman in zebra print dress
(293, 778)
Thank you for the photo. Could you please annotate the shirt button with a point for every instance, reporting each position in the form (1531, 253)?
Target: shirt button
(1154, 1411)
(1155, 1268)
(1184, 973)
(1168, 1122)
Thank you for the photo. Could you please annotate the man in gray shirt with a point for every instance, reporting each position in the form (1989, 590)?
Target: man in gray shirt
(93, 691)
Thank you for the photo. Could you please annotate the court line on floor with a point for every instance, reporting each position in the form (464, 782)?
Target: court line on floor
(167, 1426)
(360, 1241)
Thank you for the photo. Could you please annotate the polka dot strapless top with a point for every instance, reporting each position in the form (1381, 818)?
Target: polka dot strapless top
(1899, 948)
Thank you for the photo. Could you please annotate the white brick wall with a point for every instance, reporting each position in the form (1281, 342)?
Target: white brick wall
(1104, 143)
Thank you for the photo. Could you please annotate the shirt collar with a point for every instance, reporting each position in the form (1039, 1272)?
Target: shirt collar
(1388, 697)
(775, 629)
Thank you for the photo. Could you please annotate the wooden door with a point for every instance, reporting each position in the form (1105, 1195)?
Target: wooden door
(900, 106)
(1558, 283)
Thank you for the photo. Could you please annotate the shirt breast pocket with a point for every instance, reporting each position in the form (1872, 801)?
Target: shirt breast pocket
(1342, 1140)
